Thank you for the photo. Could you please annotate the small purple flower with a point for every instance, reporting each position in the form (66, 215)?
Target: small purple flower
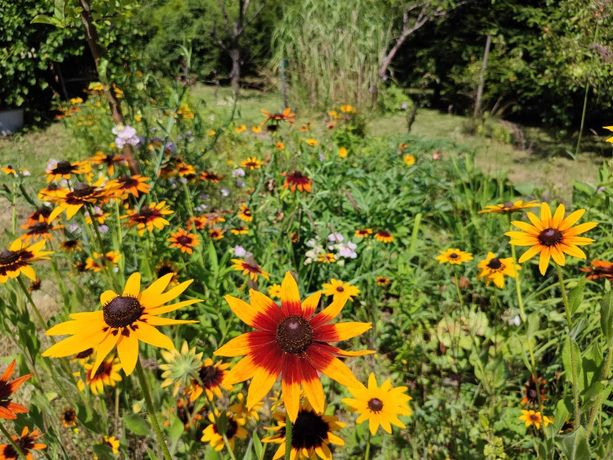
(103, 228)
(240, 251)
(240, 183)
(335, 237)
(347, 250)
(239, 172)
(125, 135)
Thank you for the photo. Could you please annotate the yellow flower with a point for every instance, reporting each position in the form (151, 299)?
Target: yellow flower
(252, 163)
(181, 367)
(531, 417)
(343, 152)
(408, 159)
(280, 145)
(274, 291)
(233, 428)
(75, 101)
(610, 139)
(347, 108)
(380, 405)
(326, 258)
(149, 217)
(212, 376)
(240, 129)
(244, 213)
(311, 142)
(338, 288)
(123, 321)
(509, 206)
(250, 269)
(18, 257)
(107, 374)
(551, 236)
(454, 256)
(256, 129)
(113, 443)
(494, 269)
(211, 133)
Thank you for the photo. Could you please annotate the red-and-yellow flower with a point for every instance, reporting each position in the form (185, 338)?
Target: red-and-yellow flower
(184, 241)
(27, 442)
(18, 257)
(9, 409)
(149, 217)
(297, 181)
(293, 342)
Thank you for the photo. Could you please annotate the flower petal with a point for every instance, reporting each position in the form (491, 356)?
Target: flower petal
(152, 336)
(127, 349)
(132, 287)
(290, 296)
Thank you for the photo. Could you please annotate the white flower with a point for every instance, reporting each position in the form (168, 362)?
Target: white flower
(224, 192)
(239, 172)
(240, 251)
(335, 237)
(347, 250)
(125, 135)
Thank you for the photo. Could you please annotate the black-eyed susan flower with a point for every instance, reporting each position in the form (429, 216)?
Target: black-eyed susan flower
(210, 176)
(534, 418)
(363, 232)
(149, 217)
(295, 180)
(184, 241)
(181, 367)
(340, 288)
(81, 195)
(106, 375)
(96, 213)
(249, 268)
(382, 281)
(211, 379)
(256, 129)
(69, 417)
(27, 442)
(99, 261)
(18, 257)
(38, 230)
(113, 443)
(347, 108)
(312, 434)
(599, 269)
(9, 409)
(535, 391)
(107, 159)
(343, 152)
(240, 129)
(244, 213)
(495, 269)
(509, 206)
(311, 142)
(326, 258)
(223, 424)
(123, 321)
(287, 115)
(454, 256)
(242, 230)
(216, 233)
(380, 405)
(408, 159)
(186, 170)
(58, 170)
(124, 186)
(252, 163)
(71, 245)
(384, 236)
(280, 145)
(290, 341)
(551, 236)
(274, 291)
(8, 170)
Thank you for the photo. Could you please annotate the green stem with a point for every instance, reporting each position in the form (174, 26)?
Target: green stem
(288, 437)
(573, 357)
(520, 299)
(152, 415)
(606, 369)
(456, 281)
(18, 449)
(37, 312)
(367, 453)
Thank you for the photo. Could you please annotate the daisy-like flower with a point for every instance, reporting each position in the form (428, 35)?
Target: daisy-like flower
(384, 236)
(240, 129)
(210, 176)
(347, 108)
(99, 261)
(107, 374)
(535, 392)
(551, 236)
(275, 118)
(311, 142)
(109, 160)
(252, 163)
(363, 232)
(70, 245)
(242, 230)
(312, 434)
(509, 206)
(184, 241)
(181, 367)
(125, 186)
(9, 170)
(149, 217)
(495, 269)
(343, 152)
(82, 194)
(409, 159)
(280, 145)
(38, 230)
(599, 269)
(27, 442)
(340, 288)
(9, 409)
(216, 233)
(123, 321)
(233, 428)
(57, 170)
(534, 418)
(18, 258)
(326, 258)
(69, 417)
(186, 170)
(454, 256)
(249, 268)
(380, 405)
(297, 181)
(244, 213)
(274, 291)
(211, 380)
(256, 129)
(382, 281)
(293, 342)
(113, 443)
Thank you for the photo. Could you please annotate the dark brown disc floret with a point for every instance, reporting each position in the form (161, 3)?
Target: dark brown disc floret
(210, 376)
(310, 430)
(375, 404)
(122, 311)
(294, 334)
(494, 264)
(550, 237)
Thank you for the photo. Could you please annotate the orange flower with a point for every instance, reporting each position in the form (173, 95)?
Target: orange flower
(297, 181)
(184, 241)
(9, 409)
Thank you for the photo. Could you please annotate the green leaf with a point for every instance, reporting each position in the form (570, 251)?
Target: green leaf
(136, 424)
(103, 452)
(606, 316)
(176, 429)
(257, 446)
(44, 19)
(572, 355)
(575, 297)
(574, 445)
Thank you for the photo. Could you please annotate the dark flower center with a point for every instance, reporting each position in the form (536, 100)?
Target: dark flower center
(550, 237)
(375, 404)
(453, 255)
(534, 417)
(81, 190)
(210, 376)
(164, 270)
(294, 334)
(39, 228)
(508, 205)
(70, 415)
(146, 214)
(63, 167)
(5, 393)
(8, 257)
(127, 182)
(310, 430)
(122, 311)
(103, 370)
(494, 264)
(340, 289)
(184, 240)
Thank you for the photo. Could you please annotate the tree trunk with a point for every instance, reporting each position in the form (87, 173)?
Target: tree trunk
(92, 40)
(235, 74)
